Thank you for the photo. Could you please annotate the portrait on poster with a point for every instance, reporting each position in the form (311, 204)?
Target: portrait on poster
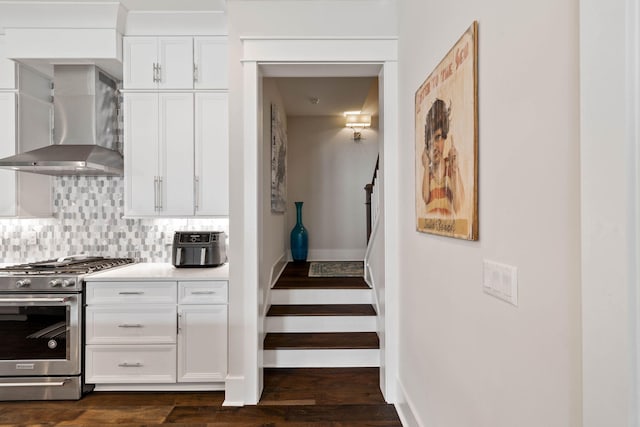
(446, 144)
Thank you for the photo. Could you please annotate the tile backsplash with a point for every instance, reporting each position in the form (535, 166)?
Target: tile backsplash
(88, 219)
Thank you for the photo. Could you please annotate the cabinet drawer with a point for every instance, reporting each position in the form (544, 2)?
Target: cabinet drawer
(144, 324)
(130, 364)
(200, 292)
(131, 293)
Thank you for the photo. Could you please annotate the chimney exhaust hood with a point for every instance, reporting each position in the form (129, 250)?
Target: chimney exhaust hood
(85, 131)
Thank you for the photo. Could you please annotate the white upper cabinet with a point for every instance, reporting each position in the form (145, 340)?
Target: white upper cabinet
(158, 136)
(165, 63)
(158, 63)
(211, 154)
(210, 69)
(26, 121)
(7, 69)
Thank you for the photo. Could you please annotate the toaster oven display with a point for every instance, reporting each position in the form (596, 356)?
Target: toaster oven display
(195, 238)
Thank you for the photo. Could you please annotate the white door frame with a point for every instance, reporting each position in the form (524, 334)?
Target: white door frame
(260, 54)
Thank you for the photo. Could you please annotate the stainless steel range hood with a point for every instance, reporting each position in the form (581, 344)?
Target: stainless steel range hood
(86, 127)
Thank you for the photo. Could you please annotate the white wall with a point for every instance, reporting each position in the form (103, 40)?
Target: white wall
(328, 171)
(274, 242)
(609, 77)
(466, 358)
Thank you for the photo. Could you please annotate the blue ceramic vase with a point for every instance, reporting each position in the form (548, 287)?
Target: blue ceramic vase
(299, 237)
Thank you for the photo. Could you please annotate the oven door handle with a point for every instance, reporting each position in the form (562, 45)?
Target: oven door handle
(60, 300)
(41, 384)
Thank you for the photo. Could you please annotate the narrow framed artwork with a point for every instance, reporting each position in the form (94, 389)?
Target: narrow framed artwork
(278, 162)
(446, 143)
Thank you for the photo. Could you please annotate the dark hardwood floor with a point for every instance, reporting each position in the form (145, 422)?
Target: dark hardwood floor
(311, 397)
(305, 397)
(295, 276)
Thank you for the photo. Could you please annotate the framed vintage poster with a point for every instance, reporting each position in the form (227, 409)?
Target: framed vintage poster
(446, 143)
(278, 162)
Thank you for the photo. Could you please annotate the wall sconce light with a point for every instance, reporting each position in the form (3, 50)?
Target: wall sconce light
(356, 122)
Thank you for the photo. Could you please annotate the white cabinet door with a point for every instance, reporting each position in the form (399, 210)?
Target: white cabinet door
(212, 154)
(210, 57)
(176, 154)
(202, 343)
(175, 59)
(35, 121)
(141, 154)
(7, 68)
(130, 364)
(140, 59)
(158, 63)
(121, 324)
(8, 200)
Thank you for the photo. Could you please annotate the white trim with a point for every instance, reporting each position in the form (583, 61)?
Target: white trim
(320, 50)
(335, 254)
(374, 233)
(390, 173)
(323, 358)
(234, 386)
(161, 387)
(404, 408)
(176, 23)
(250, 237)
(274, 277)
(321, 296)
(633, 123)
(321, 324)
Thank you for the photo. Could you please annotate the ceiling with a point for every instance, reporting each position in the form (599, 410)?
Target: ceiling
(334, 95)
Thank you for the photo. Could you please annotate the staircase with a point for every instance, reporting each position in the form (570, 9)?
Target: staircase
(320, 322)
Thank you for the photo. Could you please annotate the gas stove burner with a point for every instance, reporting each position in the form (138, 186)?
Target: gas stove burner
(68, 265)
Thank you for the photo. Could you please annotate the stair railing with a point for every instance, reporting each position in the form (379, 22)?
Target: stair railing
(371, 199)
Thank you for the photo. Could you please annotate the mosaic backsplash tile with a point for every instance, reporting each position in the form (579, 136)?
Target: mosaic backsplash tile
(88, 219)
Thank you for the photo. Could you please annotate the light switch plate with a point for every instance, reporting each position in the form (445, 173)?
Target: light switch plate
(500, 281)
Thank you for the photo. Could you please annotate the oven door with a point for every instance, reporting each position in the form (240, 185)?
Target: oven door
(40, 334)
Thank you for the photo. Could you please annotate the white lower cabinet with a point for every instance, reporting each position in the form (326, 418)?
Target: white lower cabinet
(146, 334)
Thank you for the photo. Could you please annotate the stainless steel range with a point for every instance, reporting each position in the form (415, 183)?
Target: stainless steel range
(41, 311)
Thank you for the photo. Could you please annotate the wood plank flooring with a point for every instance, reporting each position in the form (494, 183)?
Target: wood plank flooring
(315, 397)
(295, 276)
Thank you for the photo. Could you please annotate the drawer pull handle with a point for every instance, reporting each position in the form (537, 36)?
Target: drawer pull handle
(128, 325)
(130, 365)
(131, 293)
(203, 293)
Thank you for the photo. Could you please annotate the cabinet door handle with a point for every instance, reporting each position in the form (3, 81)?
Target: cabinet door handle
(197, 193)
(178, 329)
(130, 365)
(160, 189)
(130, 325)
(155, 73)
(159, 73)
(130, 293)
(203, 292)
(195, 73)
(155, 193)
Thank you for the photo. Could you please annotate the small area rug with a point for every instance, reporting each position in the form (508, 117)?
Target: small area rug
(336, 269)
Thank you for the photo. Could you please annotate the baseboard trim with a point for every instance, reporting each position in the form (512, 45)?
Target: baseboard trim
(404, 408)
(277, 268)
(234, 391)
(336, 254)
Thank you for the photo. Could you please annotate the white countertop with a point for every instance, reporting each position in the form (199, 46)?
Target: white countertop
(159, 271)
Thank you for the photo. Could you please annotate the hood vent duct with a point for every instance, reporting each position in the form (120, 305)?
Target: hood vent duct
(85, 130)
